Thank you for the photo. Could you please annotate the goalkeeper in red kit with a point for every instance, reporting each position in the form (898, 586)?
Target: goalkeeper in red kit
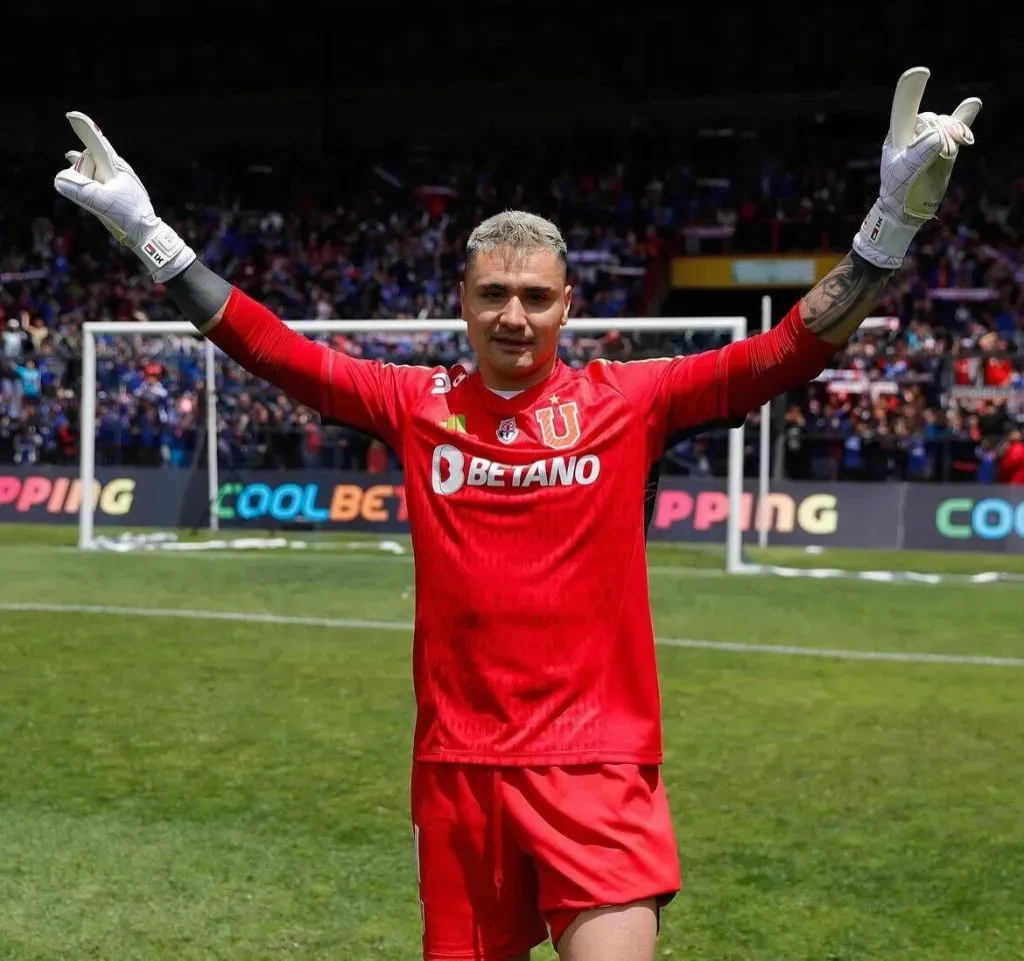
(538, 807)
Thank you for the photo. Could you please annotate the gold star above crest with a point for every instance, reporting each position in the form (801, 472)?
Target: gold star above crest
(553, 398)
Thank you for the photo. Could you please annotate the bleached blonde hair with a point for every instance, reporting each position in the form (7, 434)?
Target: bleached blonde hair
(517, 230)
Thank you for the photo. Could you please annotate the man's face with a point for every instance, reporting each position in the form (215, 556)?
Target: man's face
(515, 303)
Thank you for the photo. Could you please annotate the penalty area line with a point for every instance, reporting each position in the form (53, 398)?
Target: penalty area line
(733, 647)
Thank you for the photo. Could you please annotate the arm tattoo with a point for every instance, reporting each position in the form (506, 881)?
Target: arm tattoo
(835, 307)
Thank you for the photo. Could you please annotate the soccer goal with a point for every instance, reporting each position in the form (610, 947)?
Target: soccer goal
(158, 340)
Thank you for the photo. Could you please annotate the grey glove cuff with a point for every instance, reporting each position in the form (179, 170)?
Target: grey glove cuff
(164, 253)
(883, 239)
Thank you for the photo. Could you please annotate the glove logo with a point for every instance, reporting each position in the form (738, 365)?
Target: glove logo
(877, 229)
(155, 255)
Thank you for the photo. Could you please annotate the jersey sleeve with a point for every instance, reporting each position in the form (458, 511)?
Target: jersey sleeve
(715, 388)
(370, 396)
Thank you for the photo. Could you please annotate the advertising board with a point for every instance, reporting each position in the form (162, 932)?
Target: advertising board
(799, 514)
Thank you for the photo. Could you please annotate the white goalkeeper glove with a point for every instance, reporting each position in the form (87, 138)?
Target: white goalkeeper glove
(917, 161)
(103, 183)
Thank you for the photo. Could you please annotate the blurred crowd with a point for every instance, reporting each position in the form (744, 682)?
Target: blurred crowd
(930, 389)
(933, 387)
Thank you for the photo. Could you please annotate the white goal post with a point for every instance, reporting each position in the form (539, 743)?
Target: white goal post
(735, 327)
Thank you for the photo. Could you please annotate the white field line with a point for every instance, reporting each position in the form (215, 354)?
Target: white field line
(331, 555)
(838, 654)
(334, 554)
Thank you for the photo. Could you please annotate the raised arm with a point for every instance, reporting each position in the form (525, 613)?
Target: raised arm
(251, 335)
(836, 306)
(723, 386)
(365, 394)
(750, 372)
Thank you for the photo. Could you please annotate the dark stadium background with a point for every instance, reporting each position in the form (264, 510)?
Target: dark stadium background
(324, 77)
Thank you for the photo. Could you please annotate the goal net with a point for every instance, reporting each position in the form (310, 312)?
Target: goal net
(237, 479)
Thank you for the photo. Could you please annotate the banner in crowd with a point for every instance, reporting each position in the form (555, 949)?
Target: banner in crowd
(872, 516)
(726, 273)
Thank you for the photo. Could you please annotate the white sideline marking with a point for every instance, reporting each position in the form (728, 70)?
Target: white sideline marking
(843, 654)
(243, 616)
(331, 554)
(837, 654)
(328, 555)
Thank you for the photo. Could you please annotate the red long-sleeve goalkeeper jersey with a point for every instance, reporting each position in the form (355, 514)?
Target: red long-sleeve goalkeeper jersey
(533, 640)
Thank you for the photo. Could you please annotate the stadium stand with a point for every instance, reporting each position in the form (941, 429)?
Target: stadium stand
(933, 391)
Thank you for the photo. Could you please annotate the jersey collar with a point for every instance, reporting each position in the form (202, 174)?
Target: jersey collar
(509, 405)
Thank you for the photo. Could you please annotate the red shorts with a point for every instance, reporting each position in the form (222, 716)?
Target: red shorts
(507, 857)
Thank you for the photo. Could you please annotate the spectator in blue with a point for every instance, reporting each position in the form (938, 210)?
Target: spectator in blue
(988, 461)
(31, 380)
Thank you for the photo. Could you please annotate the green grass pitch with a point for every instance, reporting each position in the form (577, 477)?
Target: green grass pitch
(183, 788)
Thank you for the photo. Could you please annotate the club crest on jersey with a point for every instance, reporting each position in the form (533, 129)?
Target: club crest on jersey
(508, 430)
(559, 426)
